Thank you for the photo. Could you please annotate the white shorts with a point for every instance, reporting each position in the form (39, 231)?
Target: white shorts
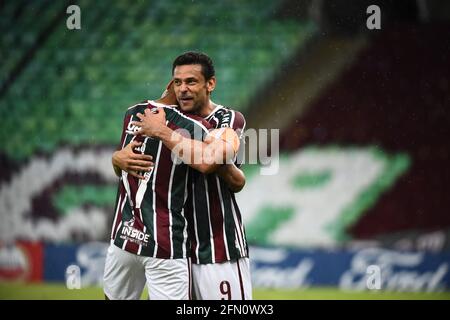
(222, 281)
(126, 275)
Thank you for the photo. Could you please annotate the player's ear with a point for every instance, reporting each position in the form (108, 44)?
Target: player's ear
(211, 84)
(169, 86)
(168, 96)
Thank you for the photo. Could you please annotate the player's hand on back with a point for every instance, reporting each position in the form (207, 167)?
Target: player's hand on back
(131, 162)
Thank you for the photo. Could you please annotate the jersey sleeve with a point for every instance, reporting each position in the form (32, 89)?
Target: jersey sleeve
(239, 126)
(229, 118)
(126, 121)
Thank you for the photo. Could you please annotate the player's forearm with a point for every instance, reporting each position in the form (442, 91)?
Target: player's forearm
(233, 176)
(201, 156)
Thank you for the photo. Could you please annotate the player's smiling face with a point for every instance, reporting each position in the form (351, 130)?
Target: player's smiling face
(191, 88)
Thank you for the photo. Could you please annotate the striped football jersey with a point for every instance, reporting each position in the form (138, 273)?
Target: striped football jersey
(214, 219)
(149, 215)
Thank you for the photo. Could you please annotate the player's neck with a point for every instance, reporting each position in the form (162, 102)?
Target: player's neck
(207, 109)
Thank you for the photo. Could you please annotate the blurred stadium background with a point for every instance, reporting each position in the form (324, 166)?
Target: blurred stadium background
(363, 123)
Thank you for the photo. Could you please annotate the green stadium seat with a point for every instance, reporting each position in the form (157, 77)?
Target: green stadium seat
(123, 54)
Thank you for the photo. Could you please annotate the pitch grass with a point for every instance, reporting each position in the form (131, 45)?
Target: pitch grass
(17, 291)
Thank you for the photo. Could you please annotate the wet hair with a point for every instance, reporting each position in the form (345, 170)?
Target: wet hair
(192, 57)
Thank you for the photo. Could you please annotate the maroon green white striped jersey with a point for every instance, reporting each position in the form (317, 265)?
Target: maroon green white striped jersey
(214, 219)
(149, 215)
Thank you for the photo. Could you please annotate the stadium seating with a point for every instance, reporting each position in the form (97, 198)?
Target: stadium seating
(394, 97)
(77, 84)
(21, 25)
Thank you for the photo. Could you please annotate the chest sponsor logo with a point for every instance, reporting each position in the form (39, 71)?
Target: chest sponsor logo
(131, 129)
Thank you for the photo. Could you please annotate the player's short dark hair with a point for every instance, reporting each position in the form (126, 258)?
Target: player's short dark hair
(192, 57)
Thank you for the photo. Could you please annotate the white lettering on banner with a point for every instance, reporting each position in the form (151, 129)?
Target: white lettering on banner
(276, 277)
(14, 263)
(91, 257)
(391, 277)
(272, 255)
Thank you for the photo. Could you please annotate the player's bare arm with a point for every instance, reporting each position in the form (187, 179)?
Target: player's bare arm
(220, 146)
(233, 177)
(131, 162)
